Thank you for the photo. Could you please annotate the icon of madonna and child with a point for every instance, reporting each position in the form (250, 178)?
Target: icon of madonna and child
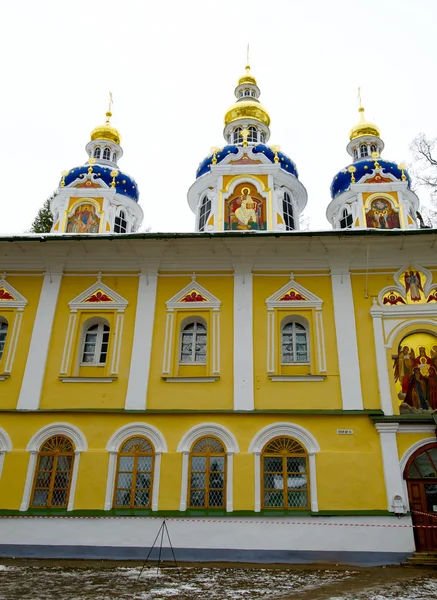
(245, 212)
(415, 373)
(84, 220)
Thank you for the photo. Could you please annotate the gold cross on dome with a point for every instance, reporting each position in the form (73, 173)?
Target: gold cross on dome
(276, 150)
(352, 170)
(215, 150)
(375, 156)
(114, 174)
(64, 175)
(91, 161)
(402, 168)
(245, 134)
(111, 102)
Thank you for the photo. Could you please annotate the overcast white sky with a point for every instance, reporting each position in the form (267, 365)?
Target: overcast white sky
(172, 67)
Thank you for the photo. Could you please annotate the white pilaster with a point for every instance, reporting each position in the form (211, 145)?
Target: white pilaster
(257, 459)
(136, 397)
(381, 365)
(29, 480)
(110, 482)
(184, 484)
(394, 485)
(33, 378)
(243, 340)
(230, 482)
(156, 480)
(73, 480)
(347, 346)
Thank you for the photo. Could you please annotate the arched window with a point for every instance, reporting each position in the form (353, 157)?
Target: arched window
(355, 153)
(373, 148)
(193, 343)
(51, 486)
(3, 335)
(294, 343)
(237, 137)
(134, 479)
(240, 94)
(253, 135)
(364, 151)
(287, 211)
(262, 137)
(346, 219)
(205, 209)
(120, 223)
(114, 157)
(97, 152)
(284, 476)
(95, 346)
(106, 154)
(247, 93)
(207, 474)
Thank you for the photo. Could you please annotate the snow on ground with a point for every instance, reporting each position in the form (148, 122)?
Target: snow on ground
(47, 580)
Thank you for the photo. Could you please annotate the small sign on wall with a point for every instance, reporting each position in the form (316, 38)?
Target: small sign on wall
(345, 431)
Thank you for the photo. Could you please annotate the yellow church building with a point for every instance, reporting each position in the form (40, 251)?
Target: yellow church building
(271, 392)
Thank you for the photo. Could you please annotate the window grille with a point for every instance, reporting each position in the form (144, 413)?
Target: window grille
(355, 153)
(120, 223)
(193, 343)
(3, 335)
(287, 211)
(95, 348)
(97, 152)
(294, 344)
(207, 474)
(51, 486)
(346, 219)
(134, 478)
(364, 151)
(284, 477)
(106, 154)
(373, 148)
(204, 212)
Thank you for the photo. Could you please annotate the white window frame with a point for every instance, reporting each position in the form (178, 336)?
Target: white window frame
(204, 212)
(121, 220)
(97, 148)
(293, 320)
(289, 204)
(304, 437)
(101, 323)
(106, 150)
(231, 445)
(195, 320)
(364, 148)
(18, 303)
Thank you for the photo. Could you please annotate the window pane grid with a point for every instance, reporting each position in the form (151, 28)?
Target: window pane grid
(207, 474)
(294, 344)
(53, 473)
(95, 348)
(3, 334)
(287, 211)
(205, 209)
(193, 344)
(134, 479)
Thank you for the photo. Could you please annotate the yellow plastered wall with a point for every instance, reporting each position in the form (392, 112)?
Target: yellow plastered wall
(57, 394)
(216, 395)
(30, 288)
(406, 440)
(304, 395)
(349, 468)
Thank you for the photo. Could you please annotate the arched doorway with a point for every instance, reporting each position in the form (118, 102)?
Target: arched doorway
(421, 476)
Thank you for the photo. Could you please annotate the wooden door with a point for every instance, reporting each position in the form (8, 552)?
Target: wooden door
(423, 499)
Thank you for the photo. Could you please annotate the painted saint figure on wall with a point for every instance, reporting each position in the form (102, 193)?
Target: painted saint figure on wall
(381, 215)
(413, 285)
(84, 220)
(245, 211)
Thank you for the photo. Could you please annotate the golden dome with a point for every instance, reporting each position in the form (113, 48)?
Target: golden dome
(247, 78)
(363, 127)
(106, 131)
(247, 109)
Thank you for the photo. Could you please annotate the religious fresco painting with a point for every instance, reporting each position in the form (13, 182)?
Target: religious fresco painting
(245, 210)
(415, 287)
(84, 220)
(381, 215)
(415, 373)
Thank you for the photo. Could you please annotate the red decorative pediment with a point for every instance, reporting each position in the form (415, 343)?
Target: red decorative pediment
(291, 296)
(379, 179)
(99, 296)
(193, 296)
(88, 184)
(5, 295)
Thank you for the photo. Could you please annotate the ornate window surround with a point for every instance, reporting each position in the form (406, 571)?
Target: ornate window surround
(16, 308)
(33, 447)
(113, 446)
(231, 445)
(304, 437)
(5, 446)
(174, 305)
(79, 306)
(315, 328)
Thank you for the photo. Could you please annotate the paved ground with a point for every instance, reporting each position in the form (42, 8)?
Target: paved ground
(47, 580)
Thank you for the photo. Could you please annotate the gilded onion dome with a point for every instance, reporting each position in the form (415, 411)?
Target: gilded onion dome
(106, 131)
(247, 77)
(247, 105)
(363, 127)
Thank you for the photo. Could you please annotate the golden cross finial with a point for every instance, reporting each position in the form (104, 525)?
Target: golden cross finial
(352, 170)
(245, 134)
(110, 102)
(91, 161)
(359, 98)
(215, 150)
(276, 149)
(114, 174)
(64, 174)
(402, 168)
(247, 58)
(375, 156)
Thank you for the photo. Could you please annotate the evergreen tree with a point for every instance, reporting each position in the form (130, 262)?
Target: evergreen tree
(44, 219)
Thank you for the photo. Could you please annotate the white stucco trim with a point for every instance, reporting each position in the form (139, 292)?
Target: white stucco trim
(347, 345)
(159, 444)
(404, 460)
(231, 444)
(35, 443)
(382, 367)
(392, 474)
(5, 446)
(243, 340)
(300, 434)
(34, 372)
(136, 397)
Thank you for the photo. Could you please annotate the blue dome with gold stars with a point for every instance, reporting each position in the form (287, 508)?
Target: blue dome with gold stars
(124, 185)
(342, 180)
(284, 161)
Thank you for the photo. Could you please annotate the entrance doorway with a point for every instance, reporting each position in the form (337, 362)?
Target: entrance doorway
(421, 476)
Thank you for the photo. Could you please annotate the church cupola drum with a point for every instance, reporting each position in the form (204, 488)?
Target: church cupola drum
(371, 192)
(98, 197)
(247, 185)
